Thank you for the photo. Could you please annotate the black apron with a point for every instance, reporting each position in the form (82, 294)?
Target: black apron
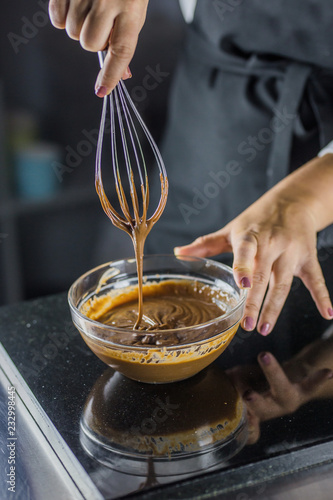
(252, 100)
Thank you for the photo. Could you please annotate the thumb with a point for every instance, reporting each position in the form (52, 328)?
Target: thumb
(206, 246)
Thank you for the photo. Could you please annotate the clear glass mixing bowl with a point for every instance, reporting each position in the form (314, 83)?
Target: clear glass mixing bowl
(166, 355)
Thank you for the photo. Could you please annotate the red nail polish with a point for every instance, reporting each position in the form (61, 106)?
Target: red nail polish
(101, 91)
(330, 312)
(265, 329)
(248, 323)
(245, 282)
(265, 358)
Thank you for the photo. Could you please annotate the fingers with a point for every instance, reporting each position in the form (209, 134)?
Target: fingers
(120, 52)
(77, 12)
(256, 264)
(275, 375)
(279, 286)
(245, 247)
(97, 28)
(282, 397)
(312, 277)
(122, 45)
(58, 10)
(206, 246)
(98, 24)
(245, 250)
(253, 426)
(279, 274)
(259, 272)
(267, 269)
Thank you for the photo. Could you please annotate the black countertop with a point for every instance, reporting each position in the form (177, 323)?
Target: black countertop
(61, 371)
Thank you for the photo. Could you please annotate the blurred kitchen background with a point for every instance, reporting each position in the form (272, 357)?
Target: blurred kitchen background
(52, 227)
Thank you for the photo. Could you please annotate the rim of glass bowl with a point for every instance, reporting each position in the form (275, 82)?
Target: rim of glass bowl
(125, 331)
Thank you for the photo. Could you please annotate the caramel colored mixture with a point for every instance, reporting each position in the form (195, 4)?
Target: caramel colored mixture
(155, 363)
(167, 305)
(167, 352)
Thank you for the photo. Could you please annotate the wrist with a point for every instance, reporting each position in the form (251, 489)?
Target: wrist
(311, 187)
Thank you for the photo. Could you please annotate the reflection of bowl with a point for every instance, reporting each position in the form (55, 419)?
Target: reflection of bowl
(166, 355)
(177, 428)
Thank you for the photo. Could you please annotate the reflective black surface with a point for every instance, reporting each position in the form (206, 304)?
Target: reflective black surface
(62, 372)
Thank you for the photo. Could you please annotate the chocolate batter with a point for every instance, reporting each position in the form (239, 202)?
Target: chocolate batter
(161, 355)
(167, 305)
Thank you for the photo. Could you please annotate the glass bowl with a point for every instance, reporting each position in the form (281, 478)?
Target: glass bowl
(161, 356)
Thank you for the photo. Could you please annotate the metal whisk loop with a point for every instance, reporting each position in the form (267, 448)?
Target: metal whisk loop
(118, 105)
(126, 122)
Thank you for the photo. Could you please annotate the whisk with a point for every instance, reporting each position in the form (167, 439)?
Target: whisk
(129, 170)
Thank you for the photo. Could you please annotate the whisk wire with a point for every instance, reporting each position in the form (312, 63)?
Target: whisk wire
(115, 162)
(138, 160)
(107, 207)
(124, 121)
(132, 131)
(157, 154)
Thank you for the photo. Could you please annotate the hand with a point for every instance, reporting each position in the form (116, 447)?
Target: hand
(274, 240)
(101, 24)
(282, 394)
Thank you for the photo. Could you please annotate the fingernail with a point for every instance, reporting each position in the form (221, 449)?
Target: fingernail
(330, 375)
(265, 358)
(265, 329)
(101, 91)
(245, 282)
(127, 73)
(176, 250)
(248, 323)
(330, 312)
